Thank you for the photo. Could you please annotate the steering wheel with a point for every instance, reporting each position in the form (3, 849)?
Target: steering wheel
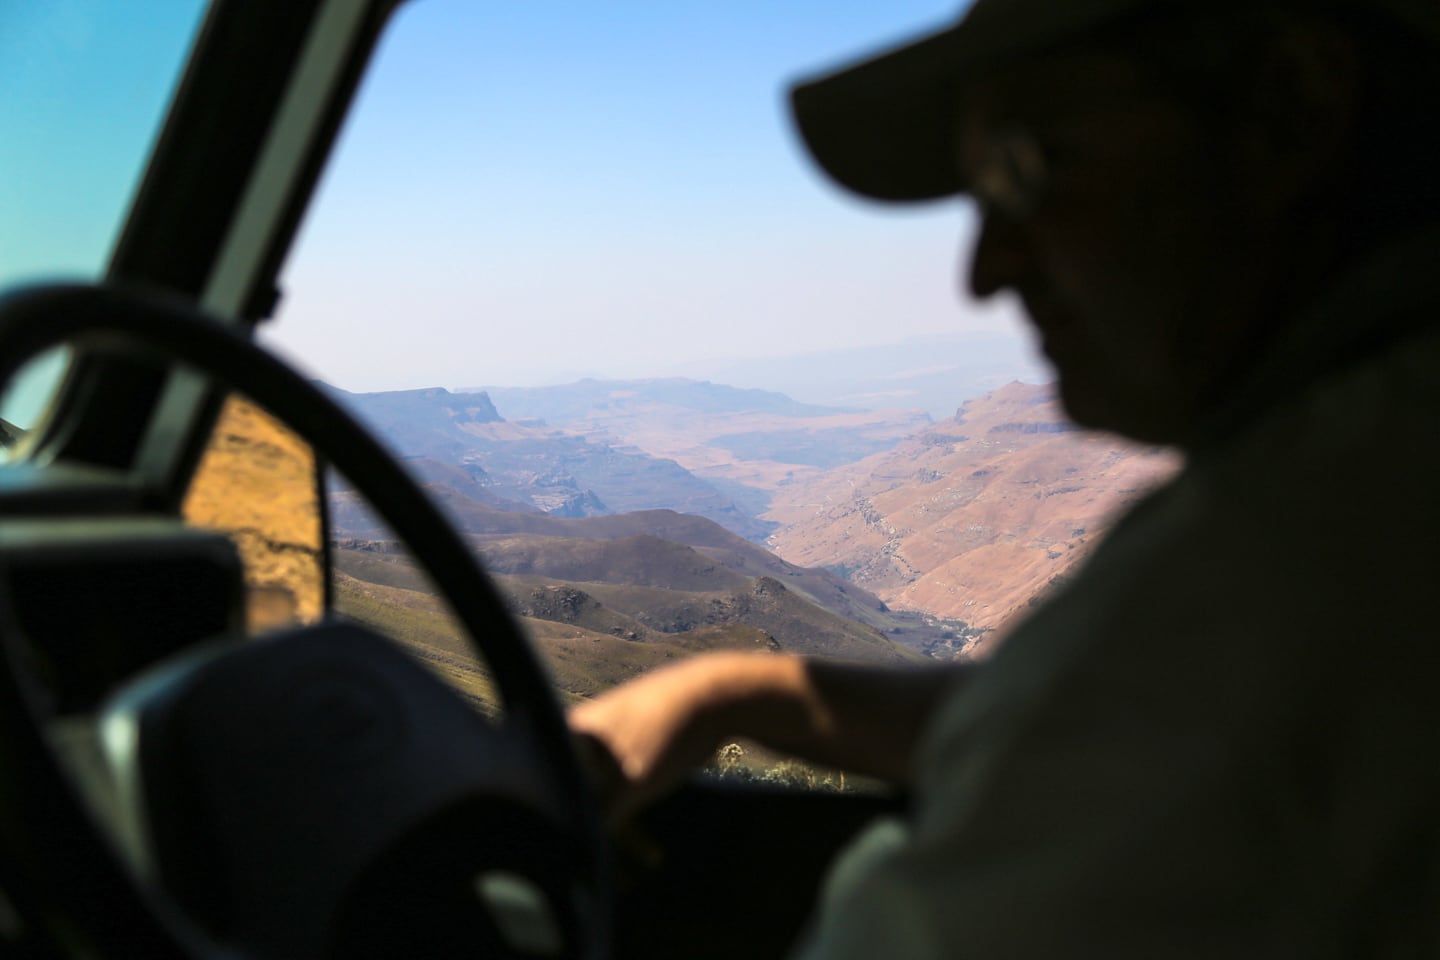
(42, 815)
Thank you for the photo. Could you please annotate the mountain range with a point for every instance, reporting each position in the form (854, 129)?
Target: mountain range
(889, 535)
(964, 521)
(608, 447)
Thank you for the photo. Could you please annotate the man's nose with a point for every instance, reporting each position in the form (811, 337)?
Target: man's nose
(1000, 256)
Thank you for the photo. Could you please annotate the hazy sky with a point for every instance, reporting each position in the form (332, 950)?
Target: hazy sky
(535, 191)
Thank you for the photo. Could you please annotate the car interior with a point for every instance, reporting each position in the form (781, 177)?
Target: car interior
(176, 786)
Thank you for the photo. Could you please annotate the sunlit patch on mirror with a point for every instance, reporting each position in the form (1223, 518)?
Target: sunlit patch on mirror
(256, 482)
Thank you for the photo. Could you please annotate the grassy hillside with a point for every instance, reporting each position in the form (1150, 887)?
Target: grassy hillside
(638, 612)
(417, 621)
(582, 662)
(642, 560)
(650, 551)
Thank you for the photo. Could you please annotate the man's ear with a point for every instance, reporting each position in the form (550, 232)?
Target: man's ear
(1306, 98)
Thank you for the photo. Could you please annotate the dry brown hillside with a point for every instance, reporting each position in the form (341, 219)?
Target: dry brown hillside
(975, 516)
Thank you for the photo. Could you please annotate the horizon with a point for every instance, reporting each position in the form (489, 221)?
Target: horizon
(935, 388)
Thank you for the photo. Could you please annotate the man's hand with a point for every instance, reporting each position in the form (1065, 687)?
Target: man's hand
(663, 725)
(658, 728)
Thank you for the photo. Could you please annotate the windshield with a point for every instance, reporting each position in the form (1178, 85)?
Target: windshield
(681, 396)
(81, 82)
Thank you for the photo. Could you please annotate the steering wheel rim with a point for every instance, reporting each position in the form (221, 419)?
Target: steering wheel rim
(37, 319)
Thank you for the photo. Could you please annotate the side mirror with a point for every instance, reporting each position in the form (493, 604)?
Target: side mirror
(262, 485)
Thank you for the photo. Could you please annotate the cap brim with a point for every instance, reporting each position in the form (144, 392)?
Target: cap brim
(883, 128)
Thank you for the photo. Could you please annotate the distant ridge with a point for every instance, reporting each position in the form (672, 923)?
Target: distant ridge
(743, 442)
(550, 470)
(934, 373)
(457, 407)
(577, 400)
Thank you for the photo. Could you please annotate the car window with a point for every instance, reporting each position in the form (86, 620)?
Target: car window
(84, 85)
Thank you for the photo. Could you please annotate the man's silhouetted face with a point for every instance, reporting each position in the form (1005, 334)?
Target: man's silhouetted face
(1138, 231)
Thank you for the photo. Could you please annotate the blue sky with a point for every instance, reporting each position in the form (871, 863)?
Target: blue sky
(109, 68)
(61, 209)
(532, 192)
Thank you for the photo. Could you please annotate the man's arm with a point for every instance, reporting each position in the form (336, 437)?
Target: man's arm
(864, 719)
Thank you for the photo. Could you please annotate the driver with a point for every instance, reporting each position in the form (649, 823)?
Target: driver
(1222, 218)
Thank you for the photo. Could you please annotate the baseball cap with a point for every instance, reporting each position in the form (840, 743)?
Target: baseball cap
(883, 127)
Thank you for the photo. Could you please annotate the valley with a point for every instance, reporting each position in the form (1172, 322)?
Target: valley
(937, 533)
(631, 523)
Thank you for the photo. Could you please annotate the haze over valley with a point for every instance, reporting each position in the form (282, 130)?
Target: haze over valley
(935, 533)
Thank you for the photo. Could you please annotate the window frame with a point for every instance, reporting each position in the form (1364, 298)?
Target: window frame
(264, 93)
